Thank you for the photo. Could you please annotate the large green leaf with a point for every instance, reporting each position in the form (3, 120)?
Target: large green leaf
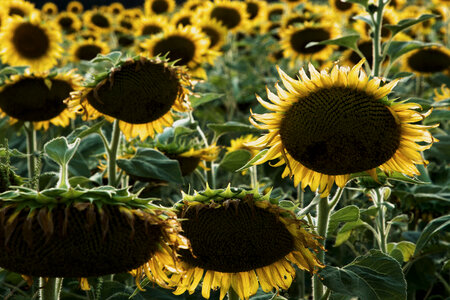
(406, 23)
(433, 228)
(374, 276)
(347, 214)
(152, 164)
(60, 150)
(235, 160)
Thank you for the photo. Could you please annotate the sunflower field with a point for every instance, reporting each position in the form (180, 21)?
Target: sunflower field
(225, 149)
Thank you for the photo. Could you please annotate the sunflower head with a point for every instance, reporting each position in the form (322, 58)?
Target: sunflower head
(30, 43)
(241, 239)
(115, 8)
(98, 21)
(232, 14)
(68, 22)
(18, 8)
(275, 11)
(151, 25)
(75, 7)
(214, 30)
(182, 17)
(428, 60)
(39, 98)
(50, 9)
(193, 5)
(139, 92)
(330, 125)
(87, 49)
(158, 7)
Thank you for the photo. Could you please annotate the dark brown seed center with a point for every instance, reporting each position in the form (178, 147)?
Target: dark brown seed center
(301, 38)
(178, 47)
(100, 21)
(87, 52)
(212, 34)
(30, 41)
(235, 239)
(342, 6)
(160, 6)
(151, 29)
(429, 61)
(229, 17)
(338, 131)
(65, 22)
(252, 9)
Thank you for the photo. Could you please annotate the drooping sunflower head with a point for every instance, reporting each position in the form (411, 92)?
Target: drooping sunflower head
(241, 239)
(50, 9)
(75, 7)
(87, 49)
(151, 25)
(295, 38)
(68, 22)
(186, 44)
(19, 8)
(232, 14)
(139, 92)
(158, 7)
(428, 60)
(328, 126)
(30, 43)
(98, 21)
(39, 98)
(86, 232)
(214, 30)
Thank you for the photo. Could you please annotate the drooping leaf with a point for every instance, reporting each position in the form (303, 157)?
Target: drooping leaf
(406, 23)
(374, 276)
(433, 228)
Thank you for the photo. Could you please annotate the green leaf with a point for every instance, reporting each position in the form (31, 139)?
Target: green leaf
(406, 249)
(406, 23)
(251, 161)
(205, 98)
(310, 206)
(235, 160)
(60, 150)
(85, 130)
(346, 230)
(12, 152)
(231, 126)
(433, 228)
(397, 255)
(113, 57)
(349, 41)
(374, 276)
(347, 214)
(399, 48)
(152, 164)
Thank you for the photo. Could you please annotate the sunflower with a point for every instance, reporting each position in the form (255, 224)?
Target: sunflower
(75, 7)
(215, 31)
(297, 18)
(342, 7)
(50, 9)
(186, 44)
(125, 23)
(18, 8)
(151, 25)
(38, 98)
(241, 144)
(97, 21)
(193, 5)
(256, 10)
(86, 232)
(294, 41)
(390, 17)
(182, 17)
(140, 93)
(30, 43)
(241, 239)
(428, 60)
(232, 14)
(275, 11)
(68, 22)
(124, 39)
(331, 125)
(116, 8)
(87, 49)
(158, 7)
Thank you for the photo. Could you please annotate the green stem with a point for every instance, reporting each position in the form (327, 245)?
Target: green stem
(112, 154)
(381, 221)
(377, 55)
(50, 289)
(301, 273)
(253, 176)
(323, 217)
(63, 182)
(31, 148)
(232, 295)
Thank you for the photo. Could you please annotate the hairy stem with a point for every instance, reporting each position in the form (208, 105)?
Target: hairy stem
(31, 148)
(50, 289)
(112, 154)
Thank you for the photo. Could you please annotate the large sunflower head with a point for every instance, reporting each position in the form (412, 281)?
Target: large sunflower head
(87, 49)
(140, 93)
(151, 25)
(186, 44)
(29, 42)
(295, 38)
(158, 7)
(66, 232)
(75, 7)
(232, 14)
(241, 239)
(428, 60)
(98, 21)
(214, 30)
(328, 126)
(68, 22)
(49, 9)
(39, 98)
(19, 8)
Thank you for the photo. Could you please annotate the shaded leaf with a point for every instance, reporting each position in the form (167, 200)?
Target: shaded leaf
(251, 161)
(433, 228)
(231, 126)
(347, 214)
(235, 160)
(346, 230)
(205, 98)
(406, 249)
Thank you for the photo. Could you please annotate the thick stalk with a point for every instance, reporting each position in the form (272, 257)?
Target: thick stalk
(50, 289)
(31, 148)
(377, 55)
(253, 176)
(322, 226)
(232, 295)
(381, 221)
(112, 154)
